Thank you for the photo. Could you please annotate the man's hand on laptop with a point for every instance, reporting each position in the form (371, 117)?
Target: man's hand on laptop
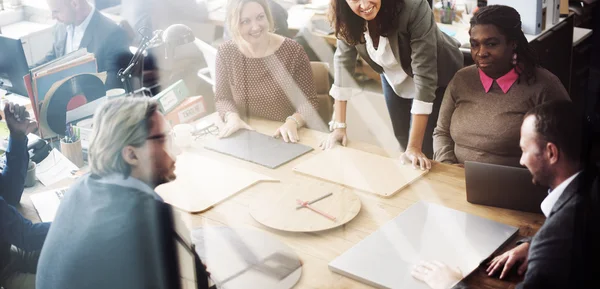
(436, 275)
(509, 259)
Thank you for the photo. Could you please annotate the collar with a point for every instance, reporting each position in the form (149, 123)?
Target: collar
(83, 26)
(505, 81)
(130, 182)
(553, 195)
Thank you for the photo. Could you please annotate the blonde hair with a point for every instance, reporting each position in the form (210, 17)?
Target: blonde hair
(234, 12)
(120, 122)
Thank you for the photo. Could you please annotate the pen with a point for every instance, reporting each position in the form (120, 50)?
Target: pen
(314, 201)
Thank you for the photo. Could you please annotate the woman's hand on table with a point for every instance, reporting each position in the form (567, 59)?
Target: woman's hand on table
(335, 137)
(288, 131)
(233, 123)
(416, 157)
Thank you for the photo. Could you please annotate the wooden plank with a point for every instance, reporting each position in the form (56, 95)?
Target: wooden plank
(203, 183)
(360, 170)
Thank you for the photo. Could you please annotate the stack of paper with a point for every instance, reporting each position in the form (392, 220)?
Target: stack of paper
(40, 80)
(55, 167)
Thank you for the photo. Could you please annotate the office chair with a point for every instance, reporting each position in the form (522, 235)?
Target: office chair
(210, 56)
(320, 71)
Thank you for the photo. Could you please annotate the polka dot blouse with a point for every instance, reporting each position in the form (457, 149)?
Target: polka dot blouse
(272, 87)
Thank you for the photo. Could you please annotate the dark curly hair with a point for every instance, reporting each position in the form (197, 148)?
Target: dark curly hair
(350, 27)
(559, 122)
(508, 22)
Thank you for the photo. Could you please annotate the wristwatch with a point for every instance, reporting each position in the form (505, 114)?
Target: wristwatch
(335, 125)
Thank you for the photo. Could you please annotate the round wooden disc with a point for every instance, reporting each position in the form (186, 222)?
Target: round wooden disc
(278, 210)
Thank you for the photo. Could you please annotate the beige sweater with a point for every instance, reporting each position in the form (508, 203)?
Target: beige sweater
(272, 87)
(485, 127)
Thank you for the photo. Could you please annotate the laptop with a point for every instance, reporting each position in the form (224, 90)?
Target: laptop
(46, 203)
(503, 187)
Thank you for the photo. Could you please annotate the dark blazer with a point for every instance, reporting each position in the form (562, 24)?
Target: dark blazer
(104, 38)
(427, 55)
(14, 228)
(565, 251)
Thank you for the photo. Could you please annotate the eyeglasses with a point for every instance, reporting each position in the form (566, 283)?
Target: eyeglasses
(167, 137)
(213, 129)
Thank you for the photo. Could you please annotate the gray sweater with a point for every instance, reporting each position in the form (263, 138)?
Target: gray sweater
(107, 233)
(485, 127)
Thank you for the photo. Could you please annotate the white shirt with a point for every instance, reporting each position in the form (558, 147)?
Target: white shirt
(75, 33)
(402, 84)
(553, 195)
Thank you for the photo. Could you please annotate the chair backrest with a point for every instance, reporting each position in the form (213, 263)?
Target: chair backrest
(210, 57)
(320, 72)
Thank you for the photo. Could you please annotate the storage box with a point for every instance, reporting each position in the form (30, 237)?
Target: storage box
(188, 111)
(564, 7)
(552, 11)
(169, 98)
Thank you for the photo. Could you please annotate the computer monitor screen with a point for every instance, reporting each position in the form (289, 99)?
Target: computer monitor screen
(13, 65)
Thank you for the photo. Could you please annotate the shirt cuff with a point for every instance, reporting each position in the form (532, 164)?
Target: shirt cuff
(341, 93)
(421, 107)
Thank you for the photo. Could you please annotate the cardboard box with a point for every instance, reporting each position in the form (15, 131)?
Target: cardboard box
(171, 97)
(564, 7)
(188, 111)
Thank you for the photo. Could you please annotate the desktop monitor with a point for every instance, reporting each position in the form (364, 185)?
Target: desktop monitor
(13, 65)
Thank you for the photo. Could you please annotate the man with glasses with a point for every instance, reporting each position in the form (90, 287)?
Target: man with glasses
(109, 231)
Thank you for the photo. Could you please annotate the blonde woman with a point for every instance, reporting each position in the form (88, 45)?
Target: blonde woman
(261, 74)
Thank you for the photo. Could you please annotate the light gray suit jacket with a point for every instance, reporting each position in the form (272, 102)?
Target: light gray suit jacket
(104, 38)
(427, 55)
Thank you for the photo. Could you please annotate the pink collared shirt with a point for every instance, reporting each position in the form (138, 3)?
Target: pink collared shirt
(505, 82)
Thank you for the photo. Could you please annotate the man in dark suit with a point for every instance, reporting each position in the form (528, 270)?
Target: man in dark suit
(564, 252)
(20, 240)
(81, 25)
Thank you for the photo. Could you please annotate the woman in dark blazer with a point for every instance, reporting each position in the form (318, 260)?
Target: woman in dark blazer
(400, 40)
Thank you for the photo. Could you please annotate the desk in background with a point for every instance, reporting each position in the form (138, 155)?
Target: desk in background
(443, 185)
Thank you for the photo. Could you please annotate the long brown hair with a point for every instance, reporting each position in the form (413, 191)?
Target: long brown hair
(350, 27)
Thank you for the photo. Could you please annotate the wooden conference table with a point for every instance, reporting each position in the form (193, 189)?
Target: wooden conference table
(443, 185)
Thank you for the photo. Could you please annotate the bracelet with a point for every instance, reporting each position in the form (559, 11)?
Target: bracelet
(294, 119)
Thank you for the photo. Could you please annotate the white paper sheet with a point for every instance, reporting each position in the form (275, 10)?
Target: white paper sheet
(55, 167)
